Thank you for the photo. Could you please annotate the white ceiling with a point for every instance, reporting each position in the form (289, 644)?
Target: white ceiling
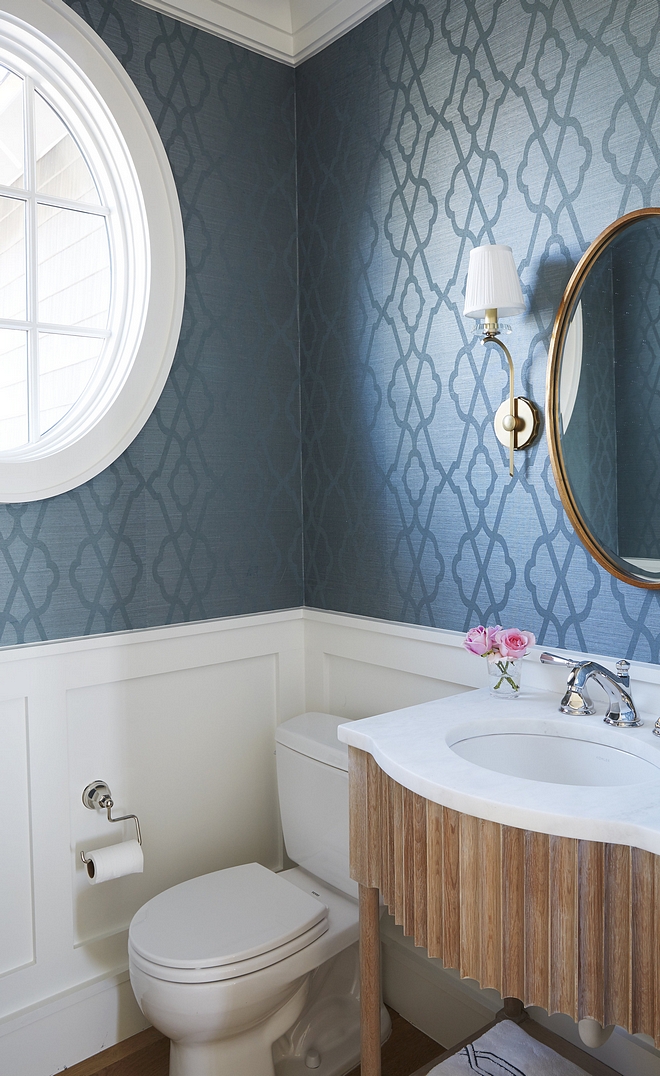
(285, 30)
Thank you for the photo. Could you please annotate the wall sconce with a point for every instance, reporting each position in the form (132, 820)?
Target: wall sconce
(493, 289)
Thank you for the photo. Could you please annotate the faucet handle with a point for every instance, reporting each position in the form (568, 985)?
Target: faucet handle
(623, 671)
(576, 700)
(553, 659)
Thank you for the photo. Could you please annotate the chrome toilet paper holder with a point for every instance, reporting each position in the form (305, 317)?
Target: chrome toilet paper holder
(98, 797)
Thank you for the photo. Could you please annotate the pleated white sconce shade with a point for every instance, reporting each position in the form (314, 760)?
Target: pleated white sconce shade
(492, 283)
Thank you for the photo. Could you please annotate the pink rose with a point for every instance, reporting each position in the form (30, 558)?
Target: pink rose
(513, 643)
(480, 640)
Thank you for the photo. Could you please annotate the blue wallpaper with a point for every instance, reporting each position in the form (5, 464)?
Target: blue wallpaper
(637, 336)
(201, 517)
(430, 128)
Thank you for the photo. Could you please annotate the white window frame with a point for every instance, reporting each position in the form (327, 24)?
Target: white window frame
(74, 69)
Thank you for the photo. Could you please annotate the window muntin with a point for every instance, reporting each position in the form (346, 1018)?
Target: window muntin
(13, 271)
(55, 265)
(61, 170)
(12, 137)
(13, 388)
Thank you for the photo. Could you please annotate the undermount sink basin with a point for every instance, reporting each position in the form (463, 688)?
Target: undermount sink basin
(523, 764)
(555, 759)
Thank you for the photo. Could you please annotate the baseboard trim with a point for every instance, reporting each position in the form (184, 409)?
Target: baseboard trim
(428, 995)
(53, 1037)
(96, 1064)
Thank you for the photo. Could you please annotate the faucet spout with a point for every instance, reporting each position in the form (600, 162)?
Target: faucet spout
(621, 710)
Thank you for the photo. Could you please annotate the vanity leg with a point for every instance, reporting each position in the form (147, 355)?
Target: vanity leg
(513, 1009)
(369, 982)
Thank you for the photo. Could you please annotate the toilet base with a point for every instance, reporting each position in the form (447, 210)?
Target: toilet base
(249, 1053)
(325, 1039)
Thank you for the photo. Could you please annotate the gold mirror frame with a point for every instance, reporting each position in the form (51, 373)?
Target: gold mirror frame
(559, 333)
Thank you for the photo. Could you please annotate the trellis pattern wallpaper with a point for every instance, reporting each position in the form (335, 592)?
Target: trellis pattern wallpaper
(432, 127)
(637, 281)
(201, 516)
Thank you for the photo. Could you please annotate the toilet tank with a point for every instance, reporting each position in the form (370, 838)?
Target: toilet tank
(312, 779)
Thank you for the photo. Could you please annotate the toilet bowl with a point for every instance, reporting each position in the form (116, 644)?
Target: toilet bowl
(253, 973)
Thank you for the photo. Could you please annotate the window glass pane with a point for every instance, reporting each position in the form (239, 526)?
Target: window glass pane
(12, 258)
(61, 168)
(11, 129)
(13, 388)
(74, 268)
(66, 364)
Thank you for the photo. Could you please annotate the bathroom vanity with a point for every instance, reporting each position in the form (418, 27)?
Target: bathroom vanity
(520, 846)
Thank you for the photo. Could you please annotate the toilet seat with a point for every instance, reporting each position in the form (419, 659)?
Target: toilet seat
(226, 971)
(225, 924)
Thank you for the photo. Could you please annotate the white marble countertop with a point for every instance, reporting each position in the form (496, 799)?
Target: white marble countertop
(413, 746)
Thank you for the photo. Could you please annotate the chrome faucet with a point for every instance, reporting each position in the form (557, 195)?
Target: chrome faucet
(621, 710)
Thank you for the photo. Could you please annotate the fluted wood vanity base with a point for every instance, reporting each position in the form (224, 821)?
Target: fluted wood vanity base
(572, 926)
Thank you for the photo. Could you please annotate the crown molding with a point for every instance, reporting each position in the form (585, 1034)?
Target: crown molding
(317, 23)
(289, 31)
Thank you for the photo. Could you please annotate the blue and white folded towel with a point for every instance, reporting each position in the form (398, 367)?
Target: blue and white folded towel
(506, 1050)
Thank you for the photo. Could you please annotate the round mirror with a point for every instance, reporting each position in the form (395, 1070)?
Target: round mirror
(603, 398)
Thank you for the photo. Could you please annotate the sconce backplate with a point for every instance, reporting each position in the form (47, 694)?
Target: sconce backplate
(527, 426)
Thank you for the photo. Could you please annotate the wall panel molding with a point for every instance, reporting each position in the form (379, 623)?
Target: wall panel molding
(16, 899)
(192, 707)
(204, 796)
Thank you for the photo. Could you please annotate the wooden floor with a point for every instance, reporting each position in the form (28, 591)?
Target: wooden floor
(147, 1054)
(406, 1050)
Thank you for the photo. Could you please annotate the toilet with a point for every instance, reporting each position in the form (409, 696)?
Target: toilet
(253, 973)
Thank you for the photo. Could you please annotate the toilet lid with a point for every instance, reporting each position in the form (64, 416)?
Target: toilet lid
(224, 917)
(315, 734)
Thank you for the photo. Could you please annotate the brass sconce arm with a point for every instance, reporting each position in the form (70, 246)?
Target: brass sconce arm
(510, 422)
(517, 420)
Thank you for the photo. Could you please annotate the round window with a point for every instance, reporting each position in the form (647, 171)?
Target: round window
(91, 254)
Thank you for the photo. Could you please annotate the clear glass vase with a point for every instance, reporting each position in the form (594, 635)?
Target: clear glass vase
(504, 676)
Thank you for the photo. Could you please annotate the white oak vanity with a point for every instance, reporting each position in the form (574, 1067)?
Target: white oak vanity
(540, 886)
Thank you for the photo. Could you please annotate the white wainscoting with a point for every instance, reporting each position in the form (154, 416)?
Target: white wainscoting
(180, 722)
(356, 667)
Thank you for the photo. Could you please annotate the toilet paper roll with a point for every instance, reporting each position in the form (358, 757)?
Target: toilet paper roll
(114, 862)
